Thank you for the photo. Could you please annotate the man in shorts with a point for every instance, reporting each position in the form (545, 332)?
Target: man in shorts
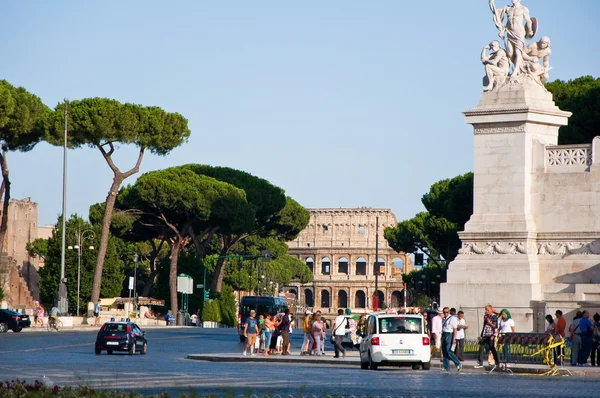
(251, 332)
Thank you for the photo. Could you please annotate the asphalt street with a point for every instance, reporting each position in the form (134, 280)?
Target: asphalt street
(67, 358)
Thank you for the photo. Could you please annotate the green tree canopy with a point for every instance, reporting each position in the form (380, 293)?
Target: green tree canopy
(50, 272)
(580, 96)
(170, 202)
(274, 214)
(450, 205)
(22, 116)
(103, 124)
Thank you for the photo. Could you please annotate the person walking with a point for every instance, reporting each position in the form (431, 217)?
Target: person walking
(317, 328)
(284, 327)
(339, 331)
(269, 327)
(436, 335)
(595, 357)
(575, 335)
(306, 329)
(486, 339)
(251, 332)
(97, 313)
(461, 327)
(586, 332)
(507, 325)
(449, 329)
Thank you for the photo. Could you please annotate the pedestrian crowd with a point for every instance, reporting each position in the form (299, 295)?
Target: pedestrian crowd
(270, 334)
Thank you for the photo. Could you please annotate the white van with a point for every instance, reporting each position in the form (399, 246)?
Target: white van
(395, 340)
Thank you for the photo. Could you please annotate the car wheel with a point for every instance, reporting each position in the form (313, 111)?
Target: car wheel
(3, 328)
(242, 339)
(426, 365)
(98, 351)
(416, 366)
(109, 352)
(372, 365)
(132, 348)
(17, 329)
(363, 365)
(144, 349)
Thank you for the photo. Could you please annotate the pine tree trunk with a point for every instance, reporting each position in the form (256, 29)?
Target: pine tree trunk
(105, 235)
(173, 275)
(6, 203)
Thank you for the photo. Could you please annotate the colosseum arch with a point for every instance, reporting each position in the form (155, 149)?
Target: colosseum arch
(325, 299)
(342, 299)
(343, 266)
(325, 266)
(361, 266)
(309, 300)
(360, 299)
(310, 263)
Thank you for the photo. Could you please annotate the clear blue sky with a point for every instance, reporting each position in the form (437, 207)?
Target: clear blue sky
(341, 103)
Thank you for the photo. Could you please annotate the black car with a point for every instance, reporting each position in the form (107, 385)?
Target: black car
(13, 320)
(121, 336)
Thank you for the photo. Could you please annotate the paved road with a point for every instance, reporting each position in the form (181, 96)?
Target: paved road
(68, 358)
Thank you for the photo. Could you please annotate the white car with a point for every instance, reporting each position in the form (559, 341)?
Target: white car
(395, 340)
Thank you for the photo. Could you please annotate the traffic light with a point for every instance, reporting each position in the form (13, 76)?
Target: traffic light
(419, 259)
(206, 294)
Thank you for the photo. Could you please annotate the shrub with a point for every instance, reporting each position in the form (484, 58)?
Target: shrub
(211, 311)
(227, 306)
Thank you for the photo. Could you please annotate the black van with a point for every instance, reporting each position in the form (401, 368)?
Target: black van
(262, 305)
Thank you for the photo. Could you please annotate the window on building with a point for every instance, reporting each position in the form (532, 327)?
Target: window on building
(325, 230)
(325, 266)
(343, 265)
(308, 245)
(361, 229)
(361, 266)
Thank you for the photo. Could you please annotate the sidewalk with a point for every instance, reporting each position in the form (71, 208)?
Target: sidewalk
(352, 359)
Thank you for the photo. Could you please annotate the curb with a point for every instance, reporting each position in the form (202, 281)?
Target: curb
(274, 359)
(354, 361)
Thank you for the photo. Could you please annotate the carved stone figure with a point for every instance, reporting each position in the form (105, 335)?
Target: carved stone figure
(533, 54)
(496, 65)
(514, 31)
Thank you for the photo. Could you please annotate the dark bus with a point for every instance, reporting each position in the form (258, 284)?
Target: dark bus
(262, 305)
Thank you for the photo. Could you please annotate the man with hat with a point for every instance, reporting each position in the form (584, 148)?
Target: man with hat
(251, 332)
(307, 343)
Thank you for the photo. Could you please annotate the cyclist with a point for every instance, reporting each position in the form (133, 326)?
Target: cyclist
(54, 313)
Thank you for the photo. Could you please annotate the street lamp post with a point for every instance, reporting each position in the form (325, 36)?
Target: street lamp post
(80, 236)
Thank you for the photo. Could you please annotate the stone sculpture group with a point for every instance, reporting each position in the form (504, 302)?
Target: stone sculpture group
(522, 58)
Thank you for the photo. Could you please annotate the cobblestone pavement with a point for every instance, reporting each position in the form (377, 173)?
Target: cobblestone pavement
(67, 358)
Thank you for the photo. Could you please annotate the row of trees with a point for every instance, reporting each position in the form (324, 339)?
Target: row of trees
(190, 212)
(449, 202)
(183, 220)
(100, 123)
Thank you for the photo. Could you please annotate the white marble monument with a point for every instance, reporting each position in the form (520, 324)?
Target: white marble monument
(532, 244)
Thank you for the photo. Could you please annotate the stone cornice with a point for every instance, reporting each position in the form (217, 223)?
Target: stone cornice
(512, 110)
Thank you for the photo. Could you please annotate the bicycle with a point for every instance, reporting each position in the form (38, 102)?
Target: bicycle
(54, 324)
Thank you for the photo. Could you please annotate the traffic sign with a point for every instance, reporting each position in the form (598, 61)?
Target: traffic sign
(199, 286)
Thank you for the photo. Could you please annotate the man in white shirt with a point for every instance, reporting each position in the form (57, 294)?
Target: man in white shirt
(436, 334)
(449, 329)
(339, 331)
(460, 336)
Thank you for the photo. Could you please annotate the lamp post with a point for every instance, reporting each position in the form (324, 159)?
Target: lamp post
(80, 236)
(135, 261)
(62, 301)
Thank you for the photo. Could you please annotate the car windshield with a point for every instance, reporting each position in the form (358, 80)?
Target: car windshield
(400, 324)
(115, 327)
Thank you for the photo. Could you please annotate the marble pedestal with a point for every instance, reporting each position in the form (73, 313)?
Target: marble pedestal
(498, 263)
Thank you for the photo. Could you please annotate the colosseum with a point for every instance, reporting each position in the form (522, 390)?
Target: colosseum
(340, 247)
